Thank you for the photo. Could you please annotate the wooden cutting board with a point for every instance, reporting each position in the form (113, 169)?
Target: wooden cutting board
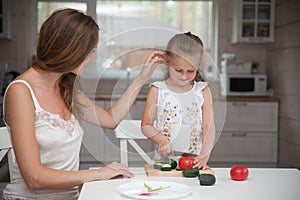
(156, 172)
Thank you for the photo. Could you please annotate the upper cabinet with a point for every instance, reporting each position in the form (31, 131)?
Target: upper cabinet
(5, 19)
(253, 21)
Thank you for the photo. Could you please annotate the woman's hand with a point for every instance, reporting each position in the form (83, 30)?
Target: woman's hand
(164, 147)
(113, 170)
(156, 58)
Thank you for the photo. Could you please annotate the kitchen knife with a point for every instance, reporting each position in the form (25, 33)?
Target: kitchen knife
(180, 153)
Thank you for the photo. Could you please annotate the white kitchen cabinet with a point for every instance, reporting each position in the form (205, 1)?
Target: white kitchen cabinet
(251, 116)
(253, 21)
(5, 6)
(92, 149)
(101, 144)
(248, 135)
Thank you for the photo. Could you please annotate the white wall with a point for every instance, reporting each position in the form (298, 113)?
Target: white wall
(283, 66)
(17, 52)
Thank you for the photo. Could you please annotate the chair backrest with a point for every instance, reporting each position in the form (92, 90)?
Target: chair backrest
(129, 129)
(6, 147)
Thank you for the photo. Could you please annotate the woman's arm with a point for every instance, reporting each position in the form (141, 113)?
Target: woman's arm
(111, 118)
(19, 115)
(163, 144)
(208, 133)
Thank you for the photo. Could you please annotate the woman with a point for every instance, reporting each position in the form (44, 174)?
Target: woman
(43, 111)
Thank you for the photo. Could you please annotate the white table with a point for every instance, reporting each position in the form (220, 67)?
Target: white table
(262, 183)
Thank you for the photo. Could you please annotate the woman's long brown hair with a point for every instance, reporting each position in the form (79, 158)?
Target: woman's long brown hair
(65, 40)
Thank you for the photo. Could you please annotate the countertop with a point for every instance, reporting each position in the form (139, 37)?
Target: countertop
(262, 183)
(267, 99)
(143, 97)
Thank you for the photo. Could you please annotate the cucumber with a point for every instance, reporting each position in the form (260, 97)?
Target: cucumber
(166, 167)
(157, 165)
(170, 161)
(190, 173)
(207, 179)
(173, 164)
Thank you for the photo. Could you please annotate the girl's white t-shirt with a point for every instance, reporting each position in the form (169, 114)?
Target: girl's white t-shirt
(179, 117)
(59, 143)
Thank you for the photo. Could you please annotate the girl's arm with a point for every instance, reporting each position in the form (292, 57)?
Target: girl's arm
(208, 133)
(110, 118)
(19, 115)
(163, 144)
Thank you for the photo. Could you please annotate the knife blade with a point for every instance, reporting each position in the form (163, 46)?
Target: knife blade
(180, 153)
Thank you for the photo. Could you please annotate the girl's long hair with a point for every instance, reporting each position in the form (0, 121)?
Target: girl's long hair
(187, 44)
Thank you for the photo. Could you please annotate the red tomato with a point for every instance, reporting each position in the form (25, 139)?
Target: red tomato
(239, 173)
(186, 162)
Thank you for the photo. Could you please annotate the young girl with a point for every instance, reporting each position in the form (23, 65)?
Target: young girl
(181, 104)
(43, 110)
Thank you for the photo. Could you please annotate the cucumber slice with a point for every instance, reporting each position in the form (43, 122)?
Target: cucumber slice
(170, 161)
(166, 167)
(158, 165)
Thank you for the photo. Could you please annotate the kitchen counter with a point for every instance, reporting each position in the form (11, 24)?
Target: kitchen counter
(108, 97)
(262, 183)
(143, 97)
(253, 99)
(104, 88)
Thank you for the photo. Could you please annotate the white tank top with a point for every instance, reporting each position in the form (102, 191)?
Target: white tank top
(59, 143)
(179, 117)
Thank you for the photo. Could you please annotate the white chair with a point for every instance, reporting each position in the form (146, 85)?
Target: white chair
(6, 147)
(129, 131)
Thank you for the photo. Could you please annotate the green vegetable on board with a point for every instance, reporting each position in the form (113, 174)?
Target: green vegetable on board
(158, 165)
(166, 167)
(190, 173)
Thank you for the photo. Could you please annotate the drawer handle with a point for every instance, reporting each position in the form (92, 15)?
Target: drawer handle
(239, 134)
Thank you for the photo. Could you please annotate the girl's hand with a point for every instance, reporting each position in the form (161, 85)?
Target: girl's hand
(164, 148)
(199, 162)
(114, 169)
(156, 58)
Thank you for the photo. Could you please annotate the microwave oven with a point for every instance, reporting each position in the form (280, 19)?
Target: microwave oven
(243, 84)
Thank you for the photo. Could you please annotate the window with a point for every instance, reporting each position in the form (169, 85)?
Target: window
(131, 29)
(45, 8)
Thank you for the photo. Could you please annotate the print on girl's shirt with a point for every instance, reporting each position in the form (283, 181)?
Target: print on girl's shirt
(190, 113)
(190, 116)
(170, 117)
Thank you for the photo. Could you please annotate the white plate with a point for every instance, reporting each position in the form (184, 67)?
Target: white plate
(137, 190)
